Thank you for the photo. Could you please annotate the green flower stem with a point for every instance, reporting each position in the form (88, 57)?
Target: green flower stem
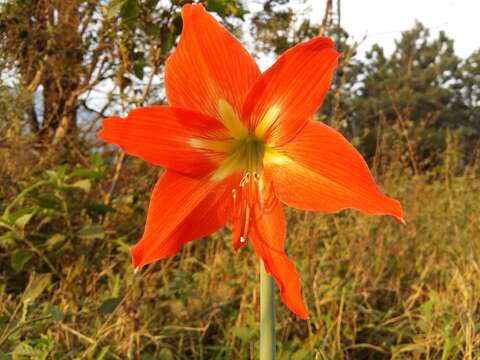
(267, 315)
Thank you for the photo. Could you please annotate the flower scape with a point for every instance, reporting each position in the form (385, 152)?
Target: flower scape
(237, 144)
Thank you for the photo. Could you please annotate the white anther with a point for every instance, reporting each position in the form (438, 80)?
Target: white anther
(242, 239)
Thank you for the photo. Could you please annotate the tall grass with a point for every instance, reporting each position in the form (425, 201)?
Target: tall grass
(375, 289)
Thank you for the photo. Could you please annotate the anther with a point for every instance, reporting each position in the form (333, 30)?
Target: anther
(242, 239)
(245, 180)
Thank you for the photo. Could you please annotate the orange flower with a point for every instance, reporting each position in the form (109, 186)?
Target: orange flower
(237, 143)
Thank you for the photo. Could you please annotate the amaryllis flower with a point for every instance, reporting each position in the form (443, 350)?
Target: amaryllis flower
(237, 143)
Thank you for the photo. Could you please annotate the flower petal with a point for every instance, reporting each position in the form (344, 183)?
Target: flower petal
(208, 66)
(181, 209)
(169, 137)
(320, 170)
(268, 239)
(290, 91)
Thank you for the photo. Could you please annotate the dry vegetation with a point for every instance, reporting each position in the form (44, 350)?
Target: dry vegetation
(375, 289)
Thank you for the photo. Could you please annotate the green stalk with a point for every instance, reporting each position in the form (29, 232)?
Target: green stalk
(267, 315)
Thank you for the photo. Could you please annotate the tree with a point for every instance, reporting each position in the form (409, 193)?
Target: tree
(67, 51)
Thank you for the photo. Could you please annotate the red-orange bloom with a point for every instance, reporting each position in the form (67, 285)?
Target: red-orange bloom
(237, 143)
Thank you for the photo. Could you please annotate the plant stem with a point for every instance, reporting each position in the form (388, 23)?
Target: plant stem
(267, 315)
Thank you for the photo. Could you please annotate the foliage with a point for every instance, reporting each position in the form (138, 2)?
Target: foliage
(374, 288)
(416, 90)
(69, 50)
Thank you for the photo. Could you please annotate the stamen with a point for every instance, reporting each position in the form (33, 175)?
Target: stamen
(234, 196)
(260, 198)
(247, 223)
(248, 156)
(245, 180)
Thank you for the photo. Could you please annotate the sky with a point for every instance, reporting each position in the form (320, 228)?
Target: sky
(382, 21)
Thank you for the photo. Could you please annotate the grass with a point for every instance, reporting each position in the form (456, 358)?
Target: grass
(375, 289)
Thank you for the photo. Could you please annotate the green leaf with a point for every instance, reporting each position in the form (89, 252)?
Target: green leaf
(13, 217)
(52, 174)
(244, 333)
(23, 220)
(138, 69)
(91, 232)
(177, 24)
(24, 349)
(96, 158)
(38, 283)
(4, 223)
(61, 171)
(7, 239)
(109, 305)
(4, 319)
(45, 220)
(114, 8)
(56, 313)
(83, 184)
(165, 354)
(20, 258)
(302, 354)
(49, 201)
(103, 353)
(88, 173)
(4, 356)
(167, 44)
(129, 10)
(241, 12)
(217, 6)
(54, 240)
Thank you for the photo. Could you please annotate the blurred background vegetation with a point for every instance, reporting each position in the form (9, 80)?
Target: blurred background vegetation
(71, 207)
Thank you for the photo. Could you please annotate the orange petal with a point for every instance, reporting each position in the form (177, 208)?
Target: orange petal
(290, 91)
(320, 170)
(268, 239)
(181, 209)
(165, 136)
(209, 65)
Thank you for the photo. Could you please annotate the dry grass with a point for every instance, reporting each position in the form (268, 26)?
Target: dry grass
(375, 289)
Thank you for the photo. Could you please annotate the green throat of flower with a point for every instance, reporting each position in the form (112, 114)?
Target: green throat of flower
(245, 151)
(247, 156)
